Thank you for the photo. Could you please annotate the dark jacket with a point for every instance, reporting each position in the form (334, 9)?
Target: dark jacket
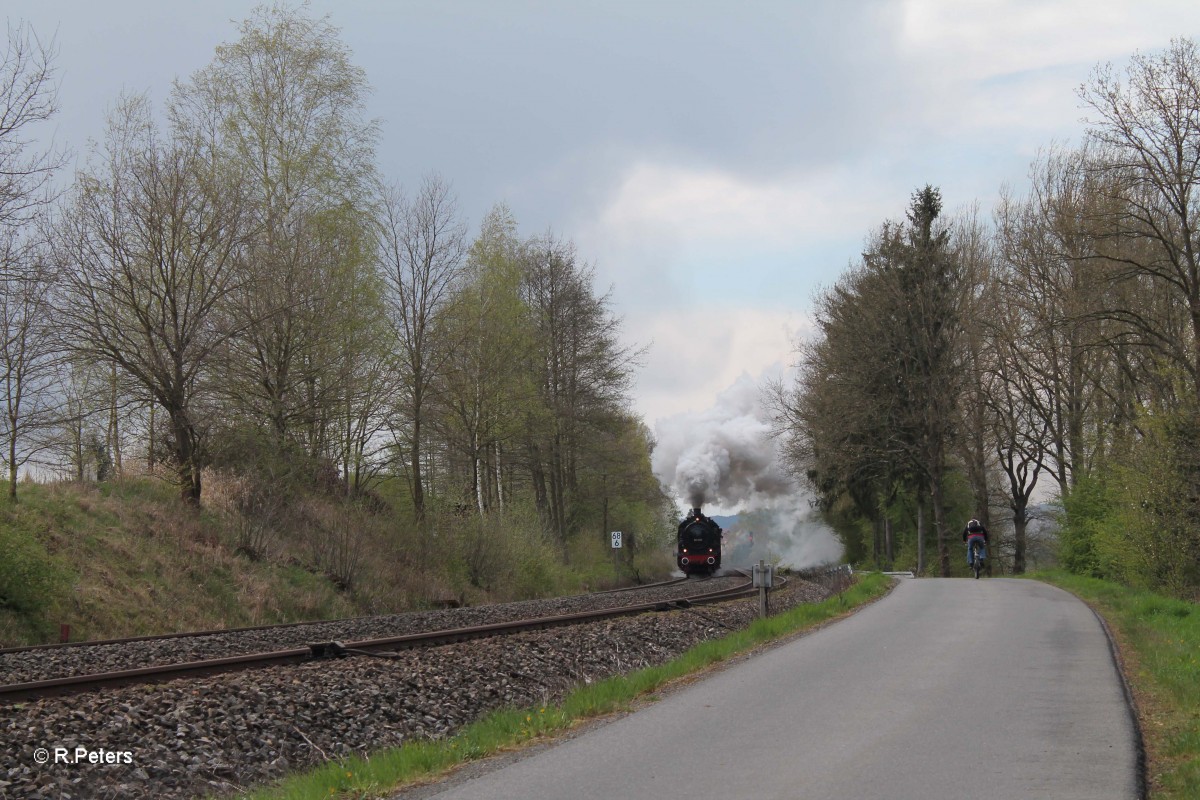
(980, 531)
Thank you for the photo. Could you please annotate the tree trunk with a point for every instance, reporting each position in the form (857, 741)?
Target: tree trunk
(499, 482)
(604, 524)
(418, 488)
(877, 543)
(186, 456)
(12, 467)
(150, 446)
(889, 542)
(114, 426)
(920, 533)
(538, 475)
(939, 524)
(479, 477)
(1020, 522)
(77, 436)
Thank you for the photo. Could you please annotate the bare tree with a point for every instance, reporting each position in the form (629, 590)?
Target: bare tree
(284, 105)
(82, 401)
(1056, 287)
(29, 351)
(28, 97)
(973, 250)
(151, 250)
(1019, 434)
(421, 247)
(580, 369)
(1149, 128)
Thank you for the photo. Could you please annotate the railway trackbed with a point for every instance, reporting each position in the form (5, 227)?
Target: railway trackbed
(679, 593)
(221, 734)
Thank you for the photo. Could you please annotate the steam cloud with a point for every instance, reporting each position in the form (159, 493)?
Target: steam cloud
(726, 456)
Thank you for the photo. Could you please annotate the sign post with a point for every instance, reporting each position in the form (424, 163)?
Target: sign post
(616, 550)
(764, 579)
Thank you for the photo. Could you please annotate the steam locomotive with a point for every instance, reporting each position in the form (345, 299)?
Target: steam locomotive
(699, 544)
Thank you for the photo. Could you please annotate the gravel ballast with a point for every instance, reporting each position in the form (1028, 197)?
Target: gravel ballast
(215, 735)
(56, 662)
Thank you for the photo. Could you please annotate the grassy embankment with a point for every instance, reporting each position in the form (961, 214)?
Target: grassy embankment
(503, 730)
(1159, 640)
(124, 558)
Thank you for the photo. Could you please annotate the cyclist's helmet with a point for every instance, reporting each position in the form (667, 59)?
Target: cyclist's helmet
(974, 525)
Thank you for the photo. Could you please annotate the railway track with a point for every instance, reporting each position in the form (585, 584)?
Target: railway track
(219, 735)
(42, 662)
(314, 649)
(255, 628)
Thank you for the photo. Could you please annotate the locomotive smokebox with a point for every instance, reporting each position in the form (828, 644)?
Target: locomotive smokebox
(699, 544)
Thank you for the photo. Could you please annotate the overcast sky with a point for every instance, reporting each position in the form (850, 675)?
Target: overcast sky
(717, 162)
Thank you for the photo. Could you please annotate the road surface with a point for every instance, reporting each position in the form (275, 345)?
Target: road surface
(956, 688)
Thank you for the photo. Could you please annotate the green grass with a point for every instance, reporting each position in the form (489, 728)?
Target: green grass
(1159, 639)
(503, 730)
(125, 558)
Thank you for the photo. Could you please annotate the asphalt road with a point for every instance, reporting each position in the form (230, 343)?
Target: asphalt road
(956, 689)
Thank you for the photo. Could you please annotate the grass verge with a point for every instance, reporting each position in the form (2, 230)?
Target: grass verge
(507, 729)
(1159, 640)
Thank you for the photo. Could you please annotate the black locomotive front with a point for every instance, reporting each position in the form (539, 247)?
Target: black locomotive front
(699, 545)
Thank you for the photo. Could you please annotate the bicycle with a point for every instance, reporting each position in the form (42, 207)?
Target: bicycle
(977, 557)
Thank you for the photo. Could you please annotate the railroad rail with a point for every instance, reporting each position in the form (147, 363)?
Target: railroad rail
(34, 690)
(154, 637)
(636, 587)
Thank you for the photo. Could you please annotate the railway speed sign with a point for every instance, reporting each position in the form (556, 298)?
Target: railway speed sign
(616, 539)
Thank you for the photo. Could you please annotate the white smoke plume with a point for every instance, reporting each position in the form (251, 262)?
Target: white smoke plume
(726, 457)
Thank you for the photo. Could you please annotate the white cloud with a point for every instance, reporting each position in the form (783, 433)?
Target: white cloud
(713, 205)
(985, 39)
(694, 355)
(995, 67)
(670, 233)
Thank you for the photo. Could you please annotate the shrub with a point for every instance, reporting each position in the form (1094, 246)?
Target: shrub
(1087, 510)
(1155, 542)
(1137, 523)
(30, 578)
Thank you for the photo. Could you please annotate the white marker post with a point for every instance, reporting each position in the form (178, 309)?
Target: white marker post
(616, 548)
(764, 579)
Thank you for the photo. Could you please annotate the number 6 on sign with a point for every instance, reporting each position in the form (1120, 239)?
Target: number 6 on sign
(616, 537)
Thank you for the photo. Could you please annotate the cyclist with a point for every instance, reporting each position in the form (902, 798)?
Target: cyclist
(975, 535)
